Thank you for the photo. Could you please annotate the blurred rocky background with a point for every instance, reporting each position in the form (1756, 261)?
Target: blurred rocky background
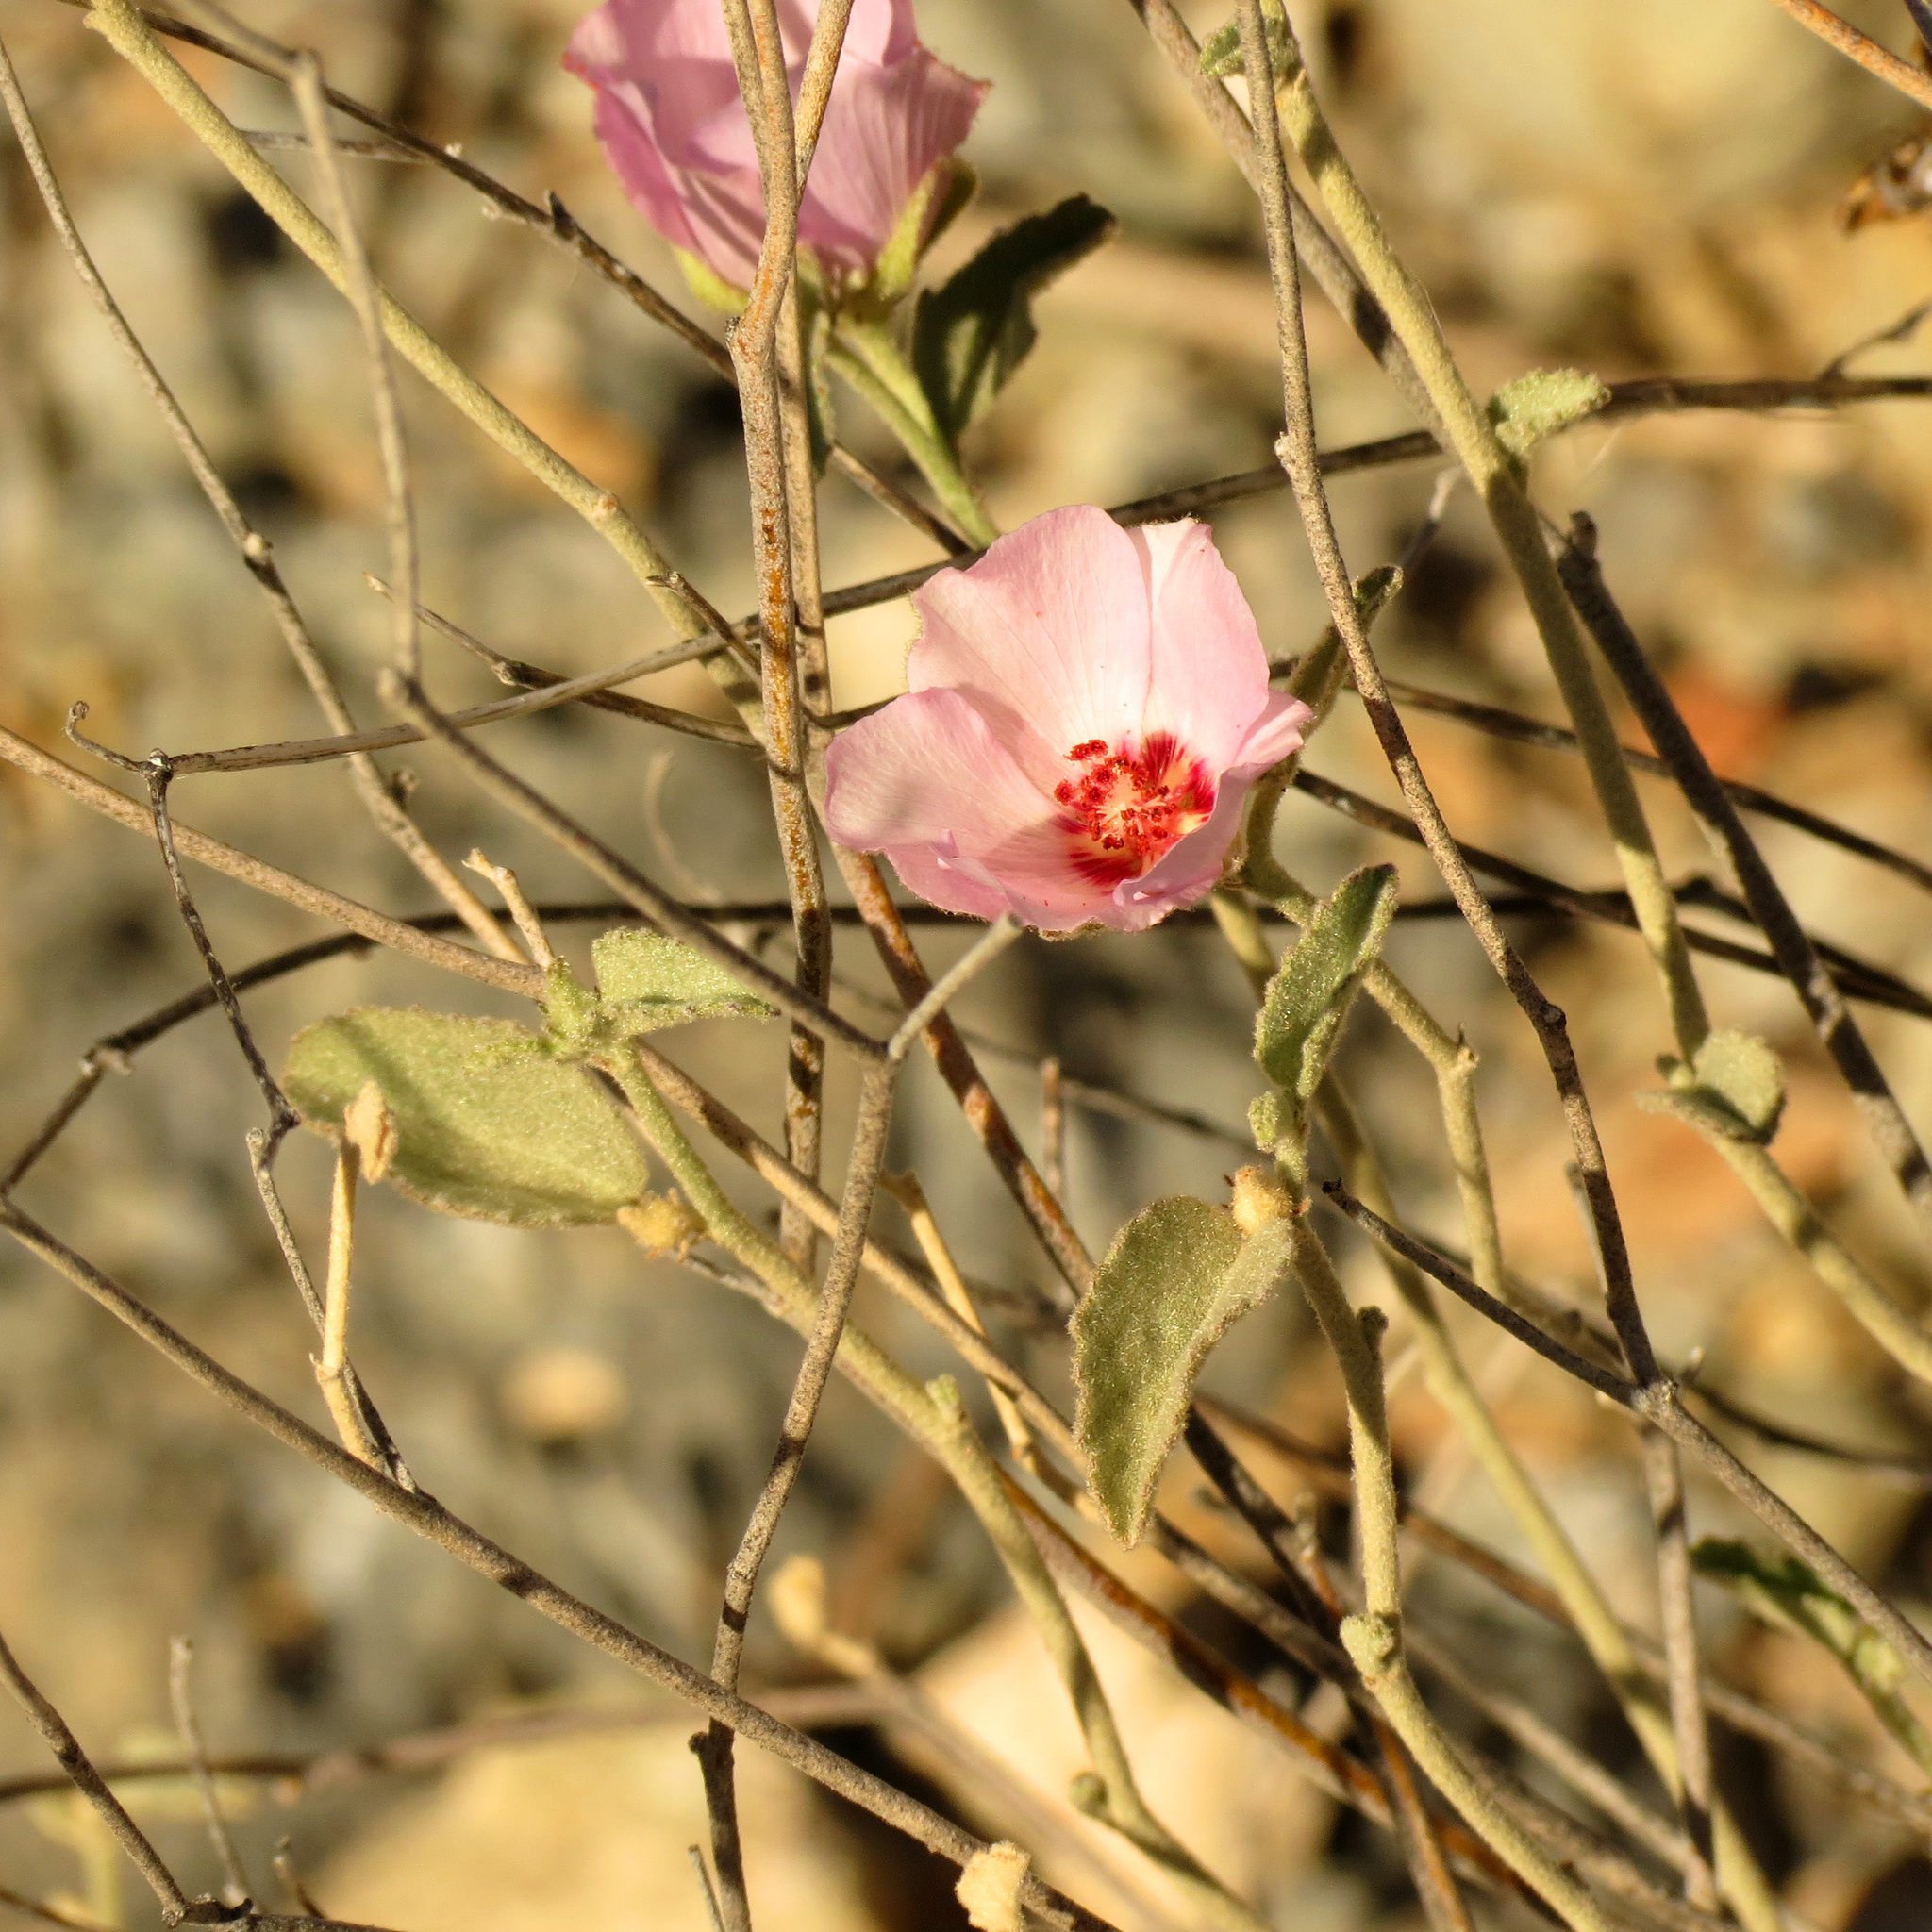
(1636, 188)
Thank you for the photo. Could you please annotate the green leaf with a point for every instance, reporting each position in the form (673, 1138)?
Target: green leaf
(1177, 1276)
(1539, 404)
(972, 332)
(1734, 1086)
(648, 981)
(486, 1127)
(1220, 52)
(1308, 999)
(1788, 1593)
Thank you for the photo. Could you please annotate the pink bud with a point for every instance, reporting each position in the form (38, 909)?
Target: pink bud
(675, 129)
(1087, 707)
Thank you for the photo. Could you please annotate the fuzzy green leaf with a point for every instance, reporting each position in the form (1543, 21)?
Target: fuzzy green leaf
(1177, 1276)
(1734, 1086)
(1539, 404)
(1220, 52)
(1308, 999)
(972, 332)
(647, 981)
(487, 1126)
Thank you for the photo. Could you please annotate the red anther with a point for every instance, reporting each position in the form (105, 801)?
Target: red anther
(1127, 809)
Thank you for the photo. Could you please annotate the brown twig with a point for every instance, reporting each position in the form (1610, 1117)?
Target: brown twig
(421, 1513)
(372, 786)
(509, 977)
(1659, 1402)
(1881, 62)
(181, 1695)
(176, 1907)
(1797, 958)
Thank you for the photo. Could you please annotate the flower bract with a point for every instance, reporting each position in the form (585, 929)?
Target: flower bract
(1088, 707)
(673, 127)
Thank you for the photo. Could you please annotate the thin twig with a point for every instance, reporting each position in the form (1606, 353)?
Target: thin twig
(305, 81)
(175, 1905)
(1876, 60)
(371, 785)
(1797, 958)
(181, 1694)
(422, 1514)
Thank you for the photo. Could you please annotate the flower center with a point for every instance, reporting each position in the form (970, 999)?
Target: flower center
(1126, 807)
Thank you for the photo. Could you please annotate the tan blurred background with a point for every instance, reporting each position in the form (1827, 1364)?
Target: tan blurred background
(1634, 188)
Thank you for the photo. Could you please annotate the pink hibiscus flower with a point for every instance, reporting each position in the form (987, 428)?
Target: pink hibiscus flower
(1087, 707)
(675, 129)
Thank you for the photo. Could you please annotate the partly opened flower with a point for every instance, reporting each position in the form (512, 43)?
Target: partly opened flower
(1087, 708)
(674, 128)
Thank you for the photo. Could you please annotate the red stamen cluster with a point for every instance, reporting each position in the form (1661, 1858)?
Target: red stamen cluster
(1126, 808)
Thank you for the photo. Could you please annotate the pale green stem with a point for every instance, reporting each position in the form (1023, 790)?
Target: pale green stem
(1498, 482)
(1374, 1639)
(1445, 1372)
(950, 1440)
(1896, 1330)
(1109, 1792)
(125, 31)
(866, 356)
(1449, 1381)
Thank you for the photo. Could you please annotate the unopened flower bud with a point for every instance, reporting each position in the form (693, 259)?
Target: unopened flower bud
(661, 1224)
(1259, 1197)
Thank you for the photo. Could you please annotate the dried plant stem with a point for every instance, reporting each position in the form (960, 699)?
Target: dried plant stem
(127, 32)
(1791, 945)
(884, 1380)
(332, 1374)
(1660, 1402)
(371, 785)
(181, 1695)
(1109, 1792)
(1471, 437)
(1663, 1476)
(304, 82)
(175, 1905)
(772, 309)
(1374, 1639)
(955, 1066)
(509, 976)
(906, 1190)
(1301, 460)
(1297, 1559)
(1875, 59)
(1589, 1610)
(1335, 273)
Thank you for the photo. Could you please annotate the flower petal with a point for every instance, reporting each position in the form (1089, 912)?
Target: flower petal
(1271, 737)
(884, 128)
(1209, 672)
(1048, 633)
(927, 767)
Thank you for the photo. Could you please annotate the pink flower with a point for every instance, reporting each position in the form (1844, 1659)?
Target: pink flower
(1087, 708)
(675, 129)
